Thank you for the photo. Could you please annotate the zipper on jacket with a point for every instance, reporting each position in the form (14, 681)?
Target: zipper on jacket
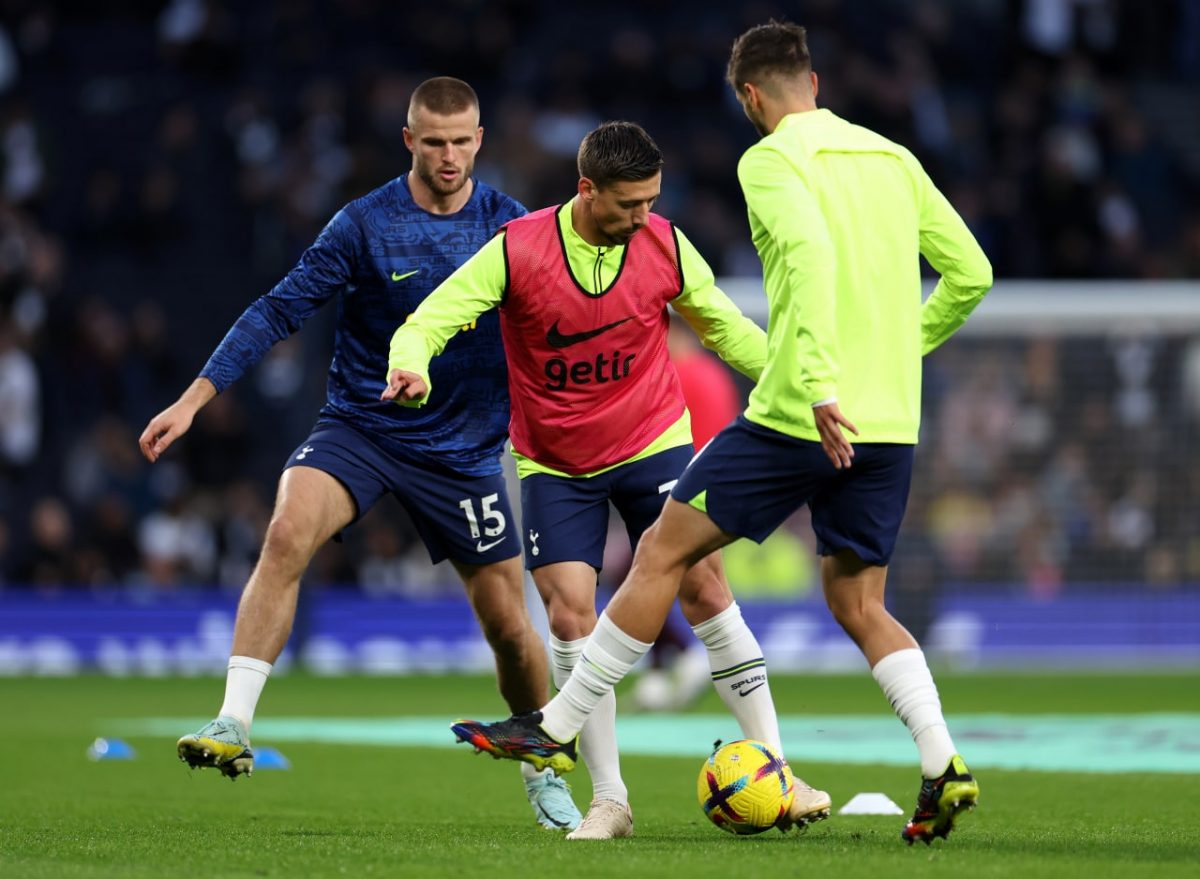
(599, 284)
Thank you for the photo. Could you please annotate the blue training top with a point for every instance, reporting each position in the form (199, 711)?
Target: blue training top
(381, 255)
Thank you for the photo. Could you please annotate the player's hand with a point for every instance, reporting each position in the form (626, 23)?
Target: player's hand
(404, 386)
(164, 428)
(830, 421)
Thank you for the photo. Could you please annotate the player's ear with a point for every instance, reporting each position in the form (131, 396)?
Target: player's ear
(587, 189)
(750, 91)
(408, 138)
(816, 85)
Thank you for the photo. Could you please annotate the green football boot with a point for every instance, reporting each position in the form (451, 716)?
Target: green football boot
(940, 802)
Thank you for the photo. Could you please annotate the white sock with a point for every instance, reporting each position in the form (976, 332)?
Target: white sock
(598, 739)
(243, 685)
(906, 681)
(740, 674)
(607, 657)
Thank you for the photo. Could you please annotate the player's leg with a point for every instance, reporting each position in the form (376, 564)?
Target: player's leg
(311, 506)
(570, 519)
(735, 659)
(856, 521)
(497, 595)
(469, 521)
(568, 590)
(624, 632)
(739, 673)
(854, 591)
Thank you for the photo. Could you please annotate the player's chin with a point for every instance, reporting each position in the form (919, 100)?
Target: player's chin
(450, 185)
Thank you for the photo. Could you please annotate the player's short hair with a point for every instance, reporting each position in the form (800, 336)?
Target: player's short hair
(778, 48)
(618, 151)
(443, 95)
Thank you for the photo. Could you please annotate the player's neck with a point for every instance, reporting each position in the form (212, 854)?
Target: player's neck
(436, 203)
(776, 111)
(585, 226)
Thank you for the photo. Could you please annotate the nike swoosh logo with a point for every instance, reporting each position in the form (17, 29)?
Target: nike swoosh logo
(555, 339)
(396, 276)
(749, 690)
(551, 818)
(484, 547)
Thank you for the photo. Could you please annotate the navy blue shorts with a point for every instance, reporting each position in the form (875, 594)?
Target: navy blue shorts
(753, 478)
(566, 518)
(464, 518)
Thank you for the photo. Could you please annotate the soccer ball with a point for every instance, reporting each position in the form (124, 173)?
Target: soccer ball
(744, 787)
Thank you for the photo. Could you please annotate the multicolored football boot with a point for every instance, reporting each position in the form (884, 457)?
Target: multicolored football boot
(222, 744)
(940, 802)
(519, 738)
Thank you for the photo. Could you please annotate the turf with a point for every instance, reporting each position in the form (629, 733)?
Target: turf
(384, 811)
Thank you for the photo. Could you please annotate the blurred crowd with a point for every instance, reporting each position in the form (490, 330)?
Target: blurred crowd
(163, 163)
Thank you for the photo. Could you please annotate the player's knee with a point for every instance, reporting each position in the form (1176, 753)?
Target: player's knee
(287, 544)
(704, 592)
(852, 612)
(570, 623)
(705, 606)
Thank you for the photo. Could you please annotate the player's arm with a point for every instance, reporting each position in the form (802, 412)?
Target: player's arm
(476, 286)
(777, 196)
(323, 270)
(966, 274)
(719, 323)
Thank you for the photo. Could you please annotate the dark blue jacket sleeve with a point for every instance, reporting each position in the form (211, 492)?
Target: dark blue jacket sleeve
(325, 269)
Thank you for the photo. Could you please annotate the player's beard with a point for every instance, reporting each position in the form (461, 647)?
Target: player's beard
(620, 236)
(760, 124)
(440, 186)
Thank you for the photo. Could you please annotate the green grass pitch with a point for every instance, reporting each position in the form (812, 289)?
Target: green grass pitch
(370, 810)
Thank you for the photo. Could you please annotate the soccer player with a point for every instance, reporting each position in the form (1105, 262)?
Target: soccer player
(598, 416)
(379, 257)
(838, 215)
